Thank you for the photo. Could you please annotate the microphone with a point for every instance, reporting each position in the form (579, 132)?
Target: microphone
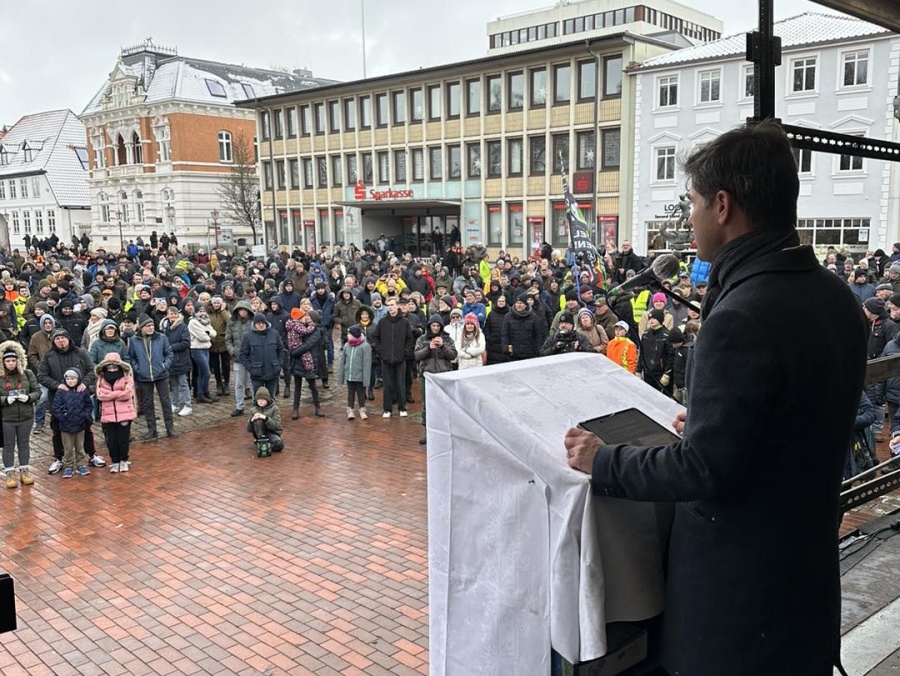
(663, 267)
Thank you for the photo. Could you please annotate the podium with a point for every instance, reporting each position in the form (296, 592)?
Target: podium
(523, 559)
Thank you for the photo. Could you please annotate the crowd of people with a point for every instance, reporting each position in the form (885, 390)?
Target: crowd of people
(118, 331)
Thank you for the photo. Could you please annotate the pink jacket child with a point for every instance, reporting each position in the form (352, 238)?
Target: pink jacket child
(115, 390)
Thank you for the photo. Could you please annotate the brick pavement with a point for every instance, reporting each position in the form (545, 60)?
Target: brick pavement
(205, 559)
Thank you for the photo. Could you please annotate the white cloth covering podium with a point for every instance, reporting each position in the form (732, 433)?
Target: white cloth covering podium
(521, 556)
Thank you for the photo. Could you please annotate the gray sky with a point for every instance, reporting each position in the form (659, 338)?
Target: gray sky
(58, 53)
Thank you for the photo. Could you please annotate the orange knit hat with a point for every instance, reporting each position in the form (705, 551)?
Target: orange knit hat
(297, 314)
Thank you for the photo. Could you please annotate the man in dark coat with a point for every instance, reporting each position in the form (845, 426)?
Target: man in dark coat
(263, 353)
(151, 357)
(760, 413)
(392, 340)
(521, 332)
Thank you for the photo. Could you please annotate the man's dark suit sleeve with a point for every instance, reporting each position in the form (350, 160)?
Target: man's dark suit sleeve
(734, 389)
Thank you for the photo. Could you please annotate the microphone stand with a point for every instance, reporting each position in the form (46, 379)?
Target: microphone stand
(657, 286)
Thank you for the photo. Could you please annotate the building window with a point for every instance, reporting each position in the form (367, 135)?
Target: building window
(263, 123)
(352, 174)
(12, 188)
(399, 100)
(473, 159)
(668, 91)
(494, 86)
(39, 222)
(562, 84)
(162, 139)
(400, 166)
(587, 80)
(26, 221)
(612, 141)
(2, 190)
(804, 75)
(418, 164)
(538, 87)
(473, 97)
(434, 102)
(454, 162)
(365, 112)
(280, 175)
(51, 220)
(15, 220)
(515, 91)
(305, 120)
(495, 225)
(307, 173)
(292, 122)
(319, 111)
(537, 146)
(436, 163)
(856, 68)
(23, 187)
(749, 81)
(515, 220)
(560, 150)
(612, 77)
(334, 116)
(294, 171)
(586, 150)
(4, 157)
(514, 159)
(665, 164)
(267, 175)
(710, 82)
(453, 94)
(278, 118)
(225, 150)
(382, 115)
(367, 168)
(803, 158)
(137, 148)
(36, 186)
(495, 159)
(349, 114)
(416, 105)
(384, 167)
(850, 163)
(850, 233)
(337, 178)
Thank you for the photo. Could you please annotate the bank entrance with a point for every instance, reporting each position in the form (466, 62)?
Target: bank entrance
(422, 227)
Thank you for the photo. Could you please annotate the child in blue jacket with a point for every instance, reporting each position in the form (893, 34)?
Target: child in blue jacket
(73, 408)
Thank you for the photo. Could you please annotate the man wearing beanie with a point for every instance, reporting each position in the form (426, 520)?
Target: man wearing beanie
(566, 339)
(263, 353)
(150, 355)
(434, 353)
(62, 356)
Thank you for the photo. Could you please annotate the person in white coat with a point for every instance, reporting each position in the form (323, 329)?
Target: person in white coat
(471, 344)
(202, 334)
(455, 328)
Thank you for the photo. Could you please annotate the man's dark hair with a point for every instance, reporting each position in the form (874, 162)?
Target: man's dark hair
(755, 165)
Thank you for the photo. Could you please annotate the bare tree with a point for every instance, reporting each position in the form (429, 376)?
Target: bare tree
(239, 191)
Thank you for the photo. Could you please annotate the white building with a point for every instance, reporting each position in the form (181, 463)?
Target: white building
(568, 21)
(838, 74)
(44, 179)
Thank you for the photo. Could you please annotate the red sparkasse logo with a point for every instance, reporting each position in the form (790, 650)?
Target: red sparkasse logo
(359, 193)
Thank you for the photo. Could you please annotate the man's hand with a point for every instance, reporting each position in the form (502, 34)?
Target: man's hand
(581, 447)
(678, 423)
(80, 388)
(63, 388)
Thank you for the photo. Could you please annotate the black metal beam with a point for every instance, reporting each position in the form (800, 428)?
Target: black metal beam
(882, 368)
(880, 12)
(873, 486)
(764, 50)
(842, 144)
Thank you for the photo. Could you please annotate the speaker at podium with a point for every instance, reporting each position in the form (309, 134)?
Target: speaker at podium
(523, 560)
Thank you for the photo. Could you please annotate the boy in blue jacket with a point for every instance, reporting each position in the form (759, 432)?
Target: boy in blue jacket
(73, 408)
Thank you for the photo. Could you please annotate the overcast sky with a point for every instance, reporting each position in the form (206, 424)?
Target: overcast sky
(58, 53)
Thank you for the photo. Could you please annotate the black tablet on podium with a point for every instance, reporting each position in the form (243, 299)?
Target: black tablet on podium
(630, 426)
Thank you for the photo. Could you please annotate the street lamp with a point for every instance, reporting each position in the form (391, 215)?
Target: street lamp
(121, 238)
(215, 221)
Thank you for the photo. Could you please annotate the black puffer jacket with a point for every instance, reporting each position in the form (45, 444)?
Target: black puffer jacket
(180, 340)
(55, 364)
(523, 332)
(493, 333)
(393, 338)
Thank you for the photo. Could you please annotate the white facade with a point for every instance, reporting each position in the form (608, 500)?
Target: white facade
(591, 19)
(43, 179)
(834, 76)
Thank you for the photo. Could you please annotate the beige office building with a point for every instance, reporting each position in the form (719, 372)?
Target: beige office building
(472, 145)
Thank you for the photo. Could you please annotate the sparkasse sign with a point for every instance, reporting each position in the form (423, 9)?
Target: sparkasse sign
(380, 194)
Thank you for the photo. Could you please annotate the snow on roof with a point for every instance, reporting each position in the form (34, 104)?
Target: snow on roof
(808, 28)
(186, 79)
(53, 137)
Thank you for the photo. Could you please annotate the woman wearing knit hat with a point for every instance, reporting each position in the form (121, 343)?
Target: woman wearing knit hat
(355, 369)
(471, 343)
(17, 406)
(434, 351)
(586, 326)
(657, 302)
(304, 344)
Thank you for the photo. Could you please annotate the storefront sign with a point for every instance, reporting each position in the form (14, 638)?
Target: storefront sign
(380, 194)
(609, 228)
(583, 181)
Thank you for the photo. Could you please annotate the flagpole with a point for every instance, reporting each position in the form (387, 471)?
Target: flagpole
(362, 16)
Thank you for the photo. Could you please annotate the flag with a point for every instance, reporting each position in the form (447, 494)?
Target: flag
(579, 237)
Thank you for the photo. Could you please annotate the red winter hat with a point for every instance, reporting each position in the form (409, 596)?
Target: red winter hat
(470, 319)
(297, 314)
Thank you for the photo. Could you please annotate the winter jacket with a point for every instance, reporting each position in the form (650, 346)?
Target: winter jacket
(201, 334)
(270, 410)
(24, 380)
(623, 352)
(74, 324)
(116, 399)
(356, 364)
(493, 334)
(219, 321)
(263, 353)
(477, 309)
(39, 345)
(312, 343)
(278, 319)
(323, 303)
(654, 351)
(102, 346)
(345, 311)
(521, 332)
(151, 357)
(563, 342)
(237, 328)
(56, 362)
(393, 338)
(73, 410)
(469, 353)
(434, 360)
(179, 337)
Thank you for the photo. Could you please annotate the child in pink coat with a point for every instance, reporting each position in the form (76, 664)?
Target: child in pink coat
(115, 390)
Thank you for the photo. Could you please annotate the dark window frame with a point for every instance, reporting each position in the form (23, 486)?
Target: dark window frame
(435, 111)
(510, 106)
(349, 120)
(448, 88)
(556, 70)
(607, 60)
(382, 97)
(469, 111)
(604, 134)
(579, 66)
